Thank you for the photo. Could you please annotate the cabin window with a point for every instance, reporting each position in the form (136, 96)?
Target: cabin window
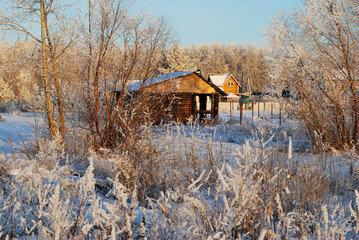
(230, 84)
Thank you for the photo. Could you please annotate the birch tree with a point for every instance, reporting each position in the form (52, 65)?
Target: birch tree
(315, 54)
(22, 17)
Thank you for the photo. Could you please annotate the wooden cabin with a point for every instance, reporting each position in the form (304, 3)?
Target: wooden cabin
(191, 95)
(225, 82)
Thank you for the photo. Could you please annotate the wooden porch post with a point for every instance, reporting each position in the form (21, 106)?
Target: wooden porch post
(212, 107)
(216, 103)
(203, 106)
(194, 115)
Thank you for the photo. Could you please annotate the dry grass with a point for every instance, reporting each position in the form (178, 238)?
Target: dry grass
(243, 189)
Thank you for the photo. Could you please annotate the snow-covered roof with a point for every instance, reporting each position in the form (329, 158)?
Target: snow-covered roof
(137, 85)
(231, 95)
(219, 80)
(158, 79)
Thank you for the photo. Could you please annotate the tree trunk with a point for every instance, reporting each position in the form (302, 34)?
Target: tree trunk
(60, 100)
(49, 111)
(356, 117)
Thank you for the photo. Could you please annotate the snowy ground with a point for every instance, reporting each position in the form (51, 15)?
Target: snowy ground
(15, 130)
(19, 128)
(247, 116)
(234, 164)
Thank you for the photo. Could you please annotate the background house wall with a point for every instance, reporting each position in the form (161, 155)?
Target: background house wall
(231, 89)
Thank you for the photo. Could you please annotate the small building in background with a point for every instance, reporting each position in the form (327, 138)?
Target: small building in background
(227, 83)
(230, 86)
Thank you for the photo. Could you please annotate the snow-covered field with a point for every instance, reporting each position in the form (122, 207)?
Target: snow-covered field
(258, 180)
(17, 129)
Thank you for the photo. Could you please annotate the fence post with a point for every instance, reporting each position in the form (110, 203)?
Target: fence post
(240, 112)
(252, 109)
(259, 104)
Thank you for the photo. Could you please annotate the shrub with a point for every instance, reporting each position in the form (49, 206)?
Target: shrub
(178, 182)
(15, 106)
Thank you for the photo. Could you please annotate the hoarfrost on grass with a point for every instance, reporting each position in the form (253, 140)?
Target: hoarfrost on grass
(212, 188)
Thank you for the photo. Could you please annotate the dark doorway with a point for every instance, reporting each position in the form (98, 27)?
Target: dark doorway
(205, 106)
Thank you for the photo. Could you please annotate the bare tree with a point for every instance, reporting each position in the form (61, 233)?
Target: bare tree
(6, 92)
(20, 17)
(50, 114)
(177, 61)
(315, 53)
(120, 47)
(16, 66)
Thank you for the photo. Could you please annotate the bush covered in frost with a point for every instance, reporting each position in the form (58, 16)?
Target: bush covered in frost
(184, 182)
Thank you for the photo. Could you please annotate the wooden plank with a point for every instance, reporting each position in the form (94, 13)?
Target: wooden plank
(182, 107)
(183, 113)
(183, 102)
(203, 111)
(183, 118)
(184, 97)
(186, 111)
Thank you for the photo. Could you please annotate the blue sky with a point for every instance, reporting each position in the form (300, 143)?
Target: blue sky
(222, 21)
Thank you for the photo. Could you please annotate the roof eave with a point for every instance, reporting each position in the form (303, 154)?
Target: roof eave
(230, 75)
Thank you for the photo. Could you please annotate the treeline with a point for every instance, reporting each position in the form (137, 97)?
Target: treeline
(246, 62)
(20, 69)
(87, 73)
